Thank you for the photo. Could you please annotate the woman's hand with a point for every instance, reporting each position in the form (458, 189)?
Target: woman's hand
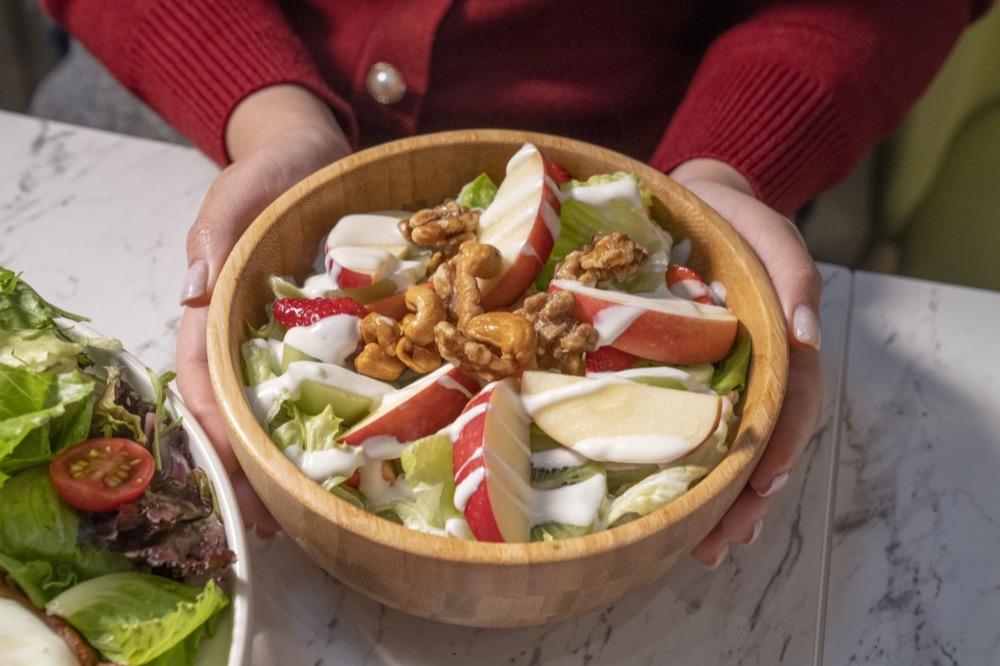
(275, 137)
(799, 286)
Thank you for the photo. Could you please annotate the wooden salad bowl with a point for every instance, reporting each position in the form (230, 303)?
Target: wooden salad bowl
(450, 580)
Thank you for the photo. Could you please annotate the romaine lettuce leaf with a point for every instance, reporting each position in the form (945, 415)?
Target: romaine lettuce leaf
(40, 413)
(38, 351)
(39, 539)
(135, 618)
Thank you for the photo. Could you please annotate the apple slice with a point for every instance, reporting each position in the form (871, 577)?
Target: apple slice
(617, 420)
(420, 409)
(668, 329)
(492, 461)
(364, 249)
(523, 223)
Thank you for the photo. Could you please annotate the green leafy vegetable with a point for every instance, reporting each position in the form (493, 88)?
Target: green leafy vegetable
(134, 618)
(39, 539)
(653, 492)
(22, 308)
(427, 467)
(732, 372)
(40, 414)
(479, 193)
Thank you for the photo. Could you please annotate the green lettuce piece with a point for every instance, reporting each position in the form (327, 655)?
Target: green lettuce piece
(40, 413)
(427, 468)
(601, 178)
(731, 374)
(653, 492)
(135, 618)
(39, 539)
(479, 193)
(259, 362)
(309, 432)
(22, 308)
(580, 221)
(38, 351)
(552, 531)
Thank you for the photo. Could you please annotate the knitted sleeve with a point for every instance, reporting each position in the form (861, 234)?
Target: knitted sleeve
(194, 61)
(796, 94)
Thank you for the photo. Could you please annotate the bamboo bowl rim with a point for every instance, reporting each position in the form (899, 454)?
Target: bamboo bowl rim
(253, 446)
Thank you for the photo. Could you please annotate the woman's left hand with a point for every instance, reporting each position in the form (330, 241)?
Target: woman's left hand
(799, 287)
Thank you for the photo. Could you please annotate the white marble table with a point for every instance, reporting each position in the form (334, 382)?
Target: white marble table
(883, 548)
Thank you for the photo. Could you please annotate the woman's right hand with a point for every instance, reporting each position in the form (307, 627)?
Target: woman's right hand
(275, 137)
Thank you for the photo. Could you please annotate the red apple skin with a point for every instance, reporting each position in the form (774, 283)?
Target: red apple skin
(478, 511)
(534, 253)
(350, 279)
(431, 408)
(664, 336)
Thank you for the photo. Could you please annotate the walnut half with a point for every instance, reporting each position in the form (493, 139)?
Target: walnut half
(612, 256)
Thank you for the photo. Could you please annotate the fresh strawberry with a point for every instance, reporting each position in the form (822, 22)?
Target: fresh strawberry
(560, 173)
(686, 283)
(305, 311)
(609, 359)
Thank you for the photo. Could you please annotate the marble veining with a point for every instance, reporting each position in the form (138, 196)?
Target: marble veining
(914, 571)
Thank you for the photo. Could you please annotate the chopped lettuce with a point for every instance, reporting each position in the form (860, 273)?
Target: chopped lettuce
(478, 193)
(604, 178)
(653, 492)
(308, 432)
(580, 221)
(135, 618)
(731, 374)
(427, 467)
(38, 351)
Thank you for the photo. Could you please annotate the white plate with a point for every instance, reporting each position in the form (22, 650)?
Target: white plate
(231, 643)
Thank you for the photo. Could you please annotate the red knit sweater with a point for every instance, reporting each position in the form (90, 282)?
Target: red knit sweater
(790, 93)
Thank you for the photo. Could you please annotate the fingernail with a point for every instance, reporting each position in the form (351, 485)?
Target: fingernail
(758, 525)
(776, 484)
(805, 326)
(195, 282)
(719, 559)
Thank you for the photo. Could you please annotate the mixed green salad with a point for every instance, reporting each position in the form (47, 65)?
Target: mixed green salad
(446, 472)
(109, 533)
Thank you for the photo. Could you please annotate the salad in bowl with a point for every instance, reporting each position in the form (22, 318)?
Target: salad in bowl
(120, 539)
(529, 360)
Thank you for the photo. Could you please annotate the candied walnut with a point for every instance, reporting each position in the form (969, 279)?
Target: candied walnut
(562, 339)
(492, 346)
(419, 358)
(457, 280)
(473, 357)
(444, 227)
(426, 310)
(378, 358)
(612, 256)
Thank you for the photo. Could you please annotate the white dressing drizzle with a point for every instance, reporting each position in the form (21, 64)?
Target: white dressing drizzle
(330, 340)
(574, 504)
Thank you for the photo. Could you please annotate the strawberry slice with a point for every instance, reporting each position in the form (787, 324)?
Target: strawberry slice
(686, 283)
(305, 311)
(560, 173)
(609, 359)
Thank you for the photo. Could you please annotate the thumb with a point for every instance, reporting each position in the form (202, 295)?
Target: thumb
(233, 201)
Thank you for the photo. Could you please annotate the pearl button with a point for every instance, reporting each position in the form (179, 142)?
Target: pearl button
(385, 83)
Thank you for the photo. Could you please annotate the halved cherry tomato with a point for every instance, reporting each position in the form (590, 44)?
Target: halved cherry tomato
(102, 474)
